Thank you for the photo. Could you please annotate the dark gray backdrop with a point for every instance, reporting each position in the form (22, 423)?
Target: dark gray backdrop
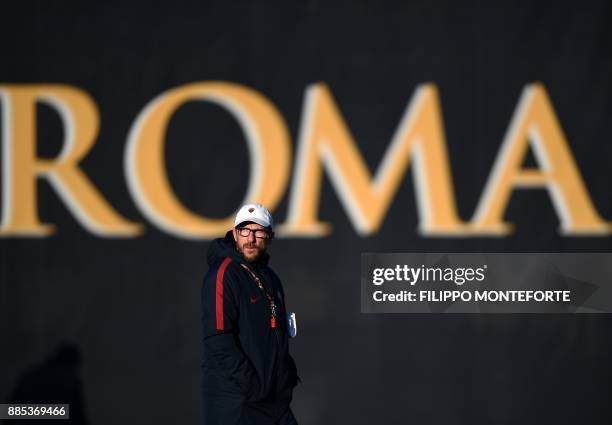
(131, 306)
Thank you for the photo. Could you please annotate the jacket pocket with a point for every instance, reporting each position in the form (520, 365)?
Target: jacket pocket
(289, 377)
(293, 371)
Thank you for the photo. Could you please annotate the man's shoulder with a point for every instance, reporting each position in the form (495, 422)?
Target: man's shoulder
(270, 272)
(224, 267)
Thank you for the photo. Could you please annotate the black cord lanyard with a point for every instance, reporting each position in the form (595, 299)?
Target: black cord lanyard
(270, 298)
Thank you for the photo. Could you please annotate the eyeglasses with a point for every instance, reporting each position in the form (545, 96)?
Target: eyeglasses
(245, 232)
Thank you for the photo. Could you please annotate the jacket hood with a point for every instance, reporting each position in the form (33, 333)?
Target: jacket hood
(226, 247)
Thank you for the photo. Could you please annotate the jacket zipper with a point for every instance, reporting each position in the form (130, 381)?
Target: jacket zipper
(275, 331)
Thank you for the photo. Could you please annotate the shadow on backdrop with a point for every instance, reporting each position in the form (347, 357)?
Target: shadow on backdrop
(55, 381)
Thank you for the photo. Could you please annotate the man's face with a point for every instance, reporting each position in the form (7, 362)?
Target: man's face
(250, 247)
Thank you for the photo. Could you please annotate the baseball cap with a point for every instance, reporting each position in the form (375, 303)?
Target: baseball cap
(256, 213)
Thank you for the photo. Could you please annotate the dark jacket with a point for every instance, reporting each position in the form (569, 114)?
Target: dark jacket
(247, 371)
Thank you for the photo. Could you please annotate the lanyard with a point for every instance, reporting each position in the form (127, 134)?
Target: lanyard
(270, 298)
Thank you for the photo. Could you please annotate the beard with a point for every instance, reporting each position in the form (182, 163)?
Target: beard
(250, 251)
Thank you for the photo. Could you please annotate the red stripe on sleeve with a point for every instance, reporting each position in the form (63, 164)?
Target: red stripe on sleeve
(219, 292)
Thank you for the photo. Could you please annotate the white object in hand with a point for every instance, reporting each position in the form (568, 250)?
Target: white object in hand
(291, 325)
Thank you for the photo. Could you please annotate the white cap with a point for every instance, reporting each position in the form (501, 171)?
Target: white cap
(256, 213)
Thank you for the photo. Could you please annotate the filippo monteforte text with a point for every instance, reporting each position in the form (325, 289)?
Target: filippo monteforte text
(324, 144)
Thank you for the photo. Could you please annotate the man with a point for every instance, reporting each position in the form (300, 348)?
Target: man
(247, 371)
